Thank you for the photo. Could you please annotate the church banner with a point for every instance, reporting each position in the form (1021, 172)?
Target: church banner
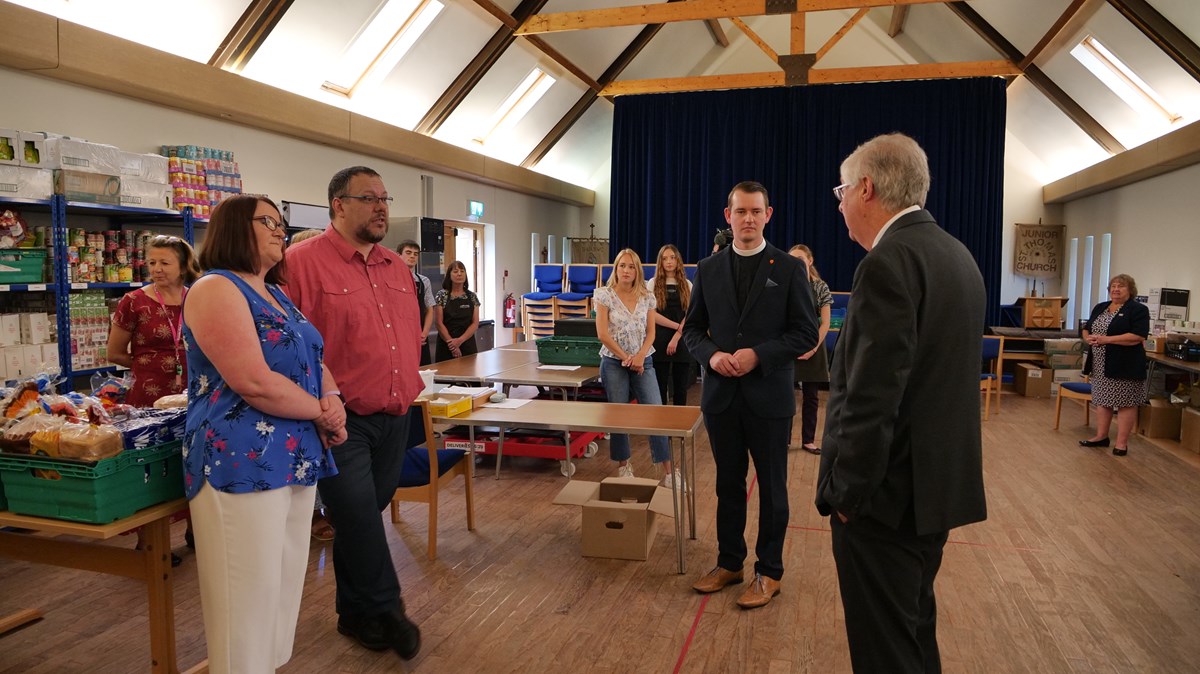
(1039, 251)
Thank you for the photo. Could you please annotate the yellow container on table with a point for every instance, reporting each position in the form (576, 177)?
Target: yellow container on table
(449, 405)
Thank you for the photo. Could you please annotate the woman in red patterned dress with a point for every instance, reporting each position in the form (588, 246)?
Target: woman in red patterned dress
(147, 328)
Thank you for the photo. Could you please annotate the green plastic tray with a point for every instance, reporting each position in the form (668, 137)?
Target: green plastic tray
(568, 350)
(95, 493)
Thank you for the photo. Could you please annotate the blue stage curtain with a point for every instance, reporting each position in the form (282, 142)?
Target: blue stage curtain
(676, 156)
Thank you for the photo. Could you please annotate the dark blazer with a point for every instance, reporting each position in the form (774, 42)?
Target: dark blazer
(1121, 361)
(902, 428)
(778, 322)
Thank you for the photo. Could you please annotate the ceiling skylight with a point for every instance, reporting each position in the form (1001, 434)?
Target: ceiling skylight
(1121, 80)
(380, 45)
(517, 105)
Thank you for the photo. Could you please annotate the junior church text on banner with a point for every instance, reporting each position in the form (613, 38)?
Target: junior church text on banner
(1039, 251)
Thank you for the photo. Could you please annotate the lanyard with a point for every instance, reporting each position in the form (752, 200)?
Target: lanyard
(176, 332)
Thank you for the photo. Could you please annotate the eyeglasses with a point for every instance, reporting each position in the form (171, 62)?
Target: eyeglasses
(270, 223)
(840, 190)
(368, 199)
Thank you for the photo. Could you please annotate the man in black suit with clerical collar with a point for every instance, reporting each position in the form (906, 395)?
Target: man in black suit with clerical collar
(750, 316)
(901, 460)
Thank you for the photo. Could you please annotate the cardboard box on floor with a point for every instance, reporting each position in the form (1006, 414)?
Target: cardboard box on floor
(620, 514)
(1159, 419)
(1032, 381)
(1189, 430)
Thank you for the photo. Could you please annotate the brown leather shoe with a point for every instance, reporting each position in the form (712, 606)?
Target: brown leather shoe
(716, 579)
(760, 592)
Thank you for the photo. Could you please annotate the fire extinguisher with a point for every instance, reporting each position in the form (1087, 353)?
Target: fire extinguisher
(510, 311)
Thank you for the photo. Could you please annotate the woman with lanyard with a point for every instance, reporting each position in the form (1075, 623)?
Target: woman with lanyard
(147, 327)
(146, 334)
(456, 313)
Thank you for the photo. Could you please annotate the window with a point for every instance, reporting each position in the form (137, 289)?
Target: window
(517, 105)
(1121, 80)
(379, 45)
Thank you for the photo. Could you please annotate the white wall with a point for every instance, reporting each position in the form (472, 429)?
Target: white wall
(288, 168)
(1155, 225)
(1022, 204)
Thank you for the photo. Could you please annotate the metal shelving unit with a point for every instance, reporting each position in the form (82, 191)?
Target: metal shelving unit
(61, 211)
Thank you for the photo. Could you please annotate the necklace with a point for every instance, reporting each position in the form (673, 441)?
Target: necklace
(176, 332)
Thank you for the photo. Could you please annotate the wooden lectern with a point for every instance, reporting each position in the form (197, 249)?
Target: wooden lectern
(1042, 312)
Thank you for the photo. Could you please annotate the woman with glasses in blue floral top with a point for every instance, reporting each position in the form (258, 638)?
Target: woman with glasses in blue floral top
(262, 412)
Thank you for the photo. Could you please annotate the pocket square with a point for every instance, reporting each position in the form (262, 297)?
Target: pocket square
(772, 284)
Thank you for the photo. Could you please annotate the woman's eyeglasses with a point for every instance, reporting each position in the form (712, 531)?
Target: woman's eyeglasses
(270, 223)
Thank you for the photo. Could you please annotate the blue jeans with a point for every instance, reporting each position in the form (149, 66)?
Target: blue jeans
(618, 382)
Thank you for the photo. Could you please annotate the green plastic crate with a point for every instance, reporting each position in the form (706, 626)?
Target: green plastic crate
(95, 493)
(568, 351)
(22, 265)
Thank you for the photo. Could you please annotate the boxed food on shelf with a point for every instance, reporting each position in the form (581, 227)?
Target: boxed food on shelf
(97, 188)
(10, 143)
(79, 155)
(10, 329)
(35, 328)
(142, 194)
(32, 152)
(23, 182)
(151, 168)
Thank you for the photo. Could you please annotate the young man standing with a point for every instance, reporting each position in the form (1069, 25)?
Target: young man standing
(410, 252)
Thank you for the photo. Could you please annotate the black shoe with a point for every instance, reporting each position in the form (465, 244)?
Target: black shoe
(369, 631)
(176, 560)
(1120, 451)
(403, 635)
(189, 538)
(1094, 443)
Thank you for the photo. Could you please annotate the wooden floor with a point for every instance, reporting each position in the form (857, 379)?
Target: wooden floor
(1088, 562)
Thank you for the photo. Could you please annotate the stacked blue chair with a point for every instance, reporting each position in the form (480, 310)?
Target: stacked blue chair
(576, 302)
(538, 307)
(606, 270)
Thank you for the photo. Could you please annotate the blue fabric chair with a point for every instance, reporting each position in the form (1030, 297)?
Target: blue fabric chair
(831, 339)
(840, 301)
(426, 472)
(547, 282)
(989, 381)
(606, 270)
(648, 271)
(690, 270)
(1077, 390)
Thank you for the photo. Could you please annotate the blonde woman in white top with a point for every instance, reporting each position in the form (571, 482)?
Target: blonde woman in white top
(625, 325)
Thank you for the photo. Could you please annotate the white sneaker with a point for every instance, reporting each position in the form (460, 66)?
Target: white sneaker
(673, 478)
(626, 470)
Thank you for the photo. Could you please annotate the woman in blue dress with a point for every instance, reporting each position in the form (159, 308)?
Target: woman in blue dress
(262, 412)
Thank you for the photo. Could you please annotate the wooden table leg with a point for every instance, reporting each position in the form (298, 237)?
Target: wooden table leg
(156, 555)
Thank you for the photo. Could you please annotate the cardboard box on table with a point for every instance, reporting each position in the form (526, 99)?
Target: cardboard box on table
(620, 515)
(1061, 376)
(1159, 419)
(1189, 430)
(1070, 345)
(1033, 381)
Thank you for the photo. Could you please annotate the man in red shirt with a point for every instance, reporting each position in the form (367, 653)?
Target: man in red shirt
(361, 297)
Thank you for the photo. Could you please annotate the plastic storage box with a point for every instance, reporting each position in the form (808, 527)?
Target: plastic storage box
(95, 493)
(568, 351)
(22, 265)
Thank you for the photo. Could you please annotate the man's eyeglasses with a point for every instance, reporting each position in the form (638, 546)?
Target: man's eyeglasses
(840, 190)
(270, 223)
(368, 199)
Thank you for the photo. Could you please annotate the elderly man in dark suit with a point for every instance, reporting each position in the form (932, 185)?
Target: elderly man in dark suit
(901, 463)
(750, 316)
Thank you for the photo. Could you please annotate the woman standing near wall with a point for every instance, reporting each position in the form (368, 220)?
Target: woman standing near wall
(456, 314)
(1117, 363)
(812, 368)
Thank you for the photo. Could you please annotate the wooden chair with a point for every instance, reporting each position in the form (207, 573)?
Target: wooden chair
(572, 308)
(427, 470)
(1076, 390)
(989, 381)
(576, 302)
(537, 316)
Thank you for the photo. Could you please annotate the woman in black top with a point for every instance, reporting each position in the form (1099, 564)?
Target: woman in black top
(672, 292)
(456, 314)
(1117, 363)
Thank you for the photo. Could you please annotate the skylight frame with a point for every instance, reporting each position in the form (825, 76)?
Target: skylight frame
(386, 57)
(518, 104)
(1121, 80)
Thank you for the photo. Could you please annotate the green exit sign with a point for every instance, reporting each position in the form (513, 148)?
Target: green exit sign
(475, 209)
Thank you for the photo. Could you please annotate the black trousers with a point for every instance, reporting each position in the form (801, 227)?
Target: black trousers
(369, 464)
(810, 400)
(739, 435)
(886, 579)
(678, 376)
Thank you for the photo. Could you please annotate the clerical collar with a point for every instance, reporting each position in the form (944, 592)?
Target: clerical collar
(753, 251)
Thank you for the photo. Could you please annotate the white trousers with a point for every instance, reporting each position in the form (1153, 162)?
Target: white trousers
(251, 554)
